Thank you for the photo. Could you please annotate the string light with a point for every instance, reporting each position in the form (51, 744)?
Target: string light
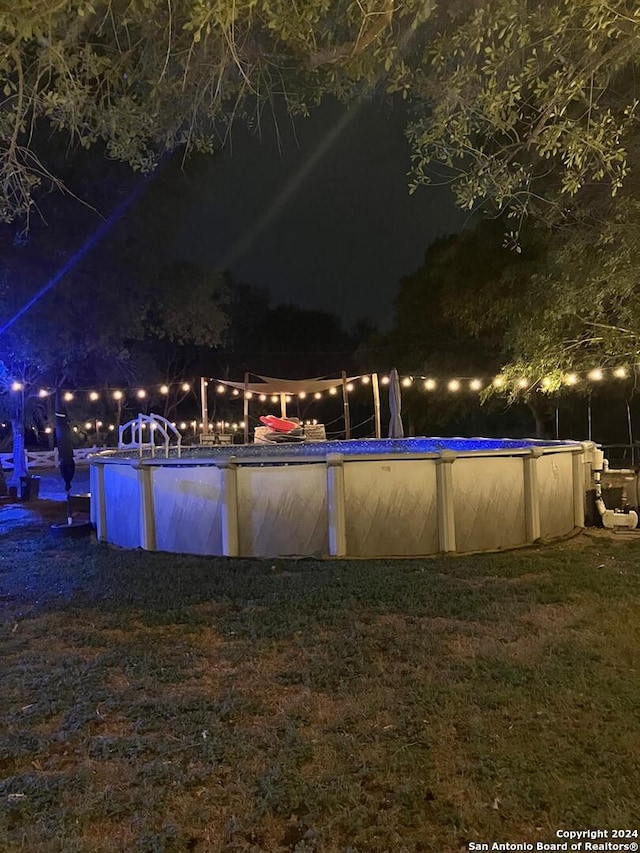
(429, 384)
(350, 386)
(499, 382)
(111, 427)
(164, 389)
(274, 399)
(621, 372)
(43, 393)
(68, 396)
(46, 429)
(183, 425)
(546, 382)
(263, 398)
(365, 380)
(185, 386)
(333, 391)
(248, 396)
(475, 385)
(595, 375)
(302, 395)
(384, 380)
(453, 385)
(93, 396)
(17, 386)
(235, 392)
(87, 425)
(117, 395)
(406, 381)
(287, 399)
(317, 395)
(571, 379)
(523, 382)
(220, 389)
(141, 394)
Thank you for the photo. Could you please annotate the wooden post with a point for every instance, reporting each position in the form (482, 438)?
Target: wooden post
(204, 385)
(245, 410)
(283, 405)
(376, 404)
(345, 402)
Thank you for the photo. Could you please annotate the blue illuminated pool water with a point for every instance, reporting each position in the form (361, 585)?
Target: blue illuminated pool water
(363, 447)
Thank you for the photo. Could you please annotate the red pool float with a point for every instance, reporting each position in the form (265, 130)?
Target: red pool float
(278, 424)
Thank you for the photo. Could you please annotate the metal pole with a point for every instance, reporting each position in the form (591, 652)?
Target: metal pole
(345, 402)
(245, 410)
(205, 409)
(376, 403)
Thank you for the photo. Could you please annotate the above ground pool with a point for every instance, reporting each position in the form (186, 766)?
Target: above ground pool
(368, 498)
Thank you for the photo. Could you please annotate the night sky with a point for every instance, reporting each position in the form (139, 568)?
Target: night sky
(328, 221)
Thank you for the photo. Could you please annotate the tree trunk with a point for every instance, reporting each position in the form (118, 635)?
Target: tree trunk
(543, 410)
(19, 450)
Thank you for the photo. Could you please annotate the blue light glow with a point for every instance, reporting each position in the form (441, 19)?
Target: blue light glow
(89, 243)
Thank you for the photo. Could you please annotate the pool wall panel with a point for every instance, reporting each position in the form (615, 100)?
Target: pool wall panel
(187, 509)
(489, 503)
(282, 510)
(391, 508)
(555, 487)
(123, 505)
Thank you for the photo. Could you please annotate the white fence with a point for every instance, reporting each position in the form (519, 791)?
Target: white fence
(48, 458)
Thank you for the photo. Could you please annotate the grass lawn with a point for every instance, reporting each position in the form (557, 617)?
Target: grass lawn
(155, 702)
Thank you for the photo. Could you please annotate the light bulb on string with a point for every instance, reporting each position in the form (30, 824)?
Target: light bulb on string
(220, 389)
(287, 399)
(68, 396)
(475, 385)
(333, 391)
(43, 393)
(429, 384)
(384, 380)
(141, 394)
(263, 398)
(365, 380)
(523, 382)
(185, 386)
(274, 399)
(248, 395)
(406, 381)
(111, 427)
(546, 382)
(621, 372)
(571, 379)
(17, 386)
(235, 392)
(302, 395)
(87, 425)
(595, 375)
(498, 382)
(453, 385)
(317, 395)
(117, 395)
(350, 386)
(93, 396)
(164, 389)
